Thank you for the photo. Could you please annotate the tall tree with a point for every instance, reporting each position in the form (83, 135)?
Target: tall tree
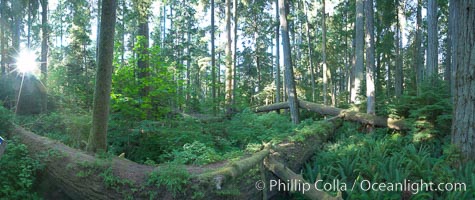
(277, 54)
(310, 52)
(2, 38)
(142, 9)
(453, 27)
(324, 55)
(398, 83)
(100, 112)
(370, 90)
(289, 72)
(235, 37)
(213, 61)
(228, 58)
(432, 39)
(418, 58)
(359, 46)
(463, 131)
(44, 50)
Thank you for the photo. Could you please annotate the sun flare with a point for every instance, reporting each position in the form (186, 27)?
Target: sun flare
(26, 62)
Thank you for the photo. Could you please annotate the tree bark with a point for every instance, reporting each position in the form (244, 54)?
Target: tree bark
(289, 72)
(310, 53)
(359, 38)
(418, 59)
(143, 54)
(399, 79)
(213, 61)
(2, 39)
(370, 90)
(453, 27)
(100, 111)
(324, 56)
(463, 132)
(44, 52)
(432, 40)
(277, 55)
(235, 37)
(229, 63)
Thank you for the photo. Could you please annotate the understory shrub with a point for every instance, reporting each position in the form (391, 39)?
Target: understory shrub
(17, 172)
(390, 158)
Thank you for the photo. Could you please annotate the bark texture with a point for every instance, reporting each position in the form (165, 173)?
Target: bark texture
(100, 112)
(289, 71)
(370, 90)
(359, 43)
(463, 125)
(432, 40)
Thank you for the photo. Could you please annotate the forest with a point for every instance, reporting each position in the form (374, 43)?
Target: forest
(237, 99)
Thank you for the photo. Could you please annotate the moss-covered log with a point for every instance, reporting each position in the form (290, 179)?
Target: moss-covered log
(84, 176)
(296, 181)
(349, 115)
(276, 106)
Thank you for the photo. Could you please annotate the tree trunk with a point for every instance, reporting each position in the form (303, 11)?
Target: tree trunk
(432, 40)
(453, 27)
(310, 53)
(229, 60)
(235, 37)
(277, 54)
(2, 39)
(370, 93)
(418, 60)
(100, 111)
(398, 83)
(44, 52)
(359, 38)
(463, 132)
(213, 61)
(324, 56)
(289, 72)
(141, 7)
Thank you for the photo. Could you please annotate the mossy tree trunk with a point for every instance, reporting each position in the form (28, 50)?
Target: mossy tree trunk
(100, 111)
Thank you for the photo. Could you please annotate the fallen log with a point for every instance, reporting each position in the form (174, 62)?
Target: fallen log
(295, 182)
(350, 115)
(379, 121)
(84, 176)
(272, 107)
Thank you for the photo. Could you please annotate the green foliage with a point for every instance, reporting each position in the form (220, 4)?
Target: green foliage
(248, 127)
(127, 98)
(18, 172)
(196, 153)
(5, 120)
(384, 158)
(112, 181)
(308, 128)
(172, 175)
(70, 126)
(430, 111)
